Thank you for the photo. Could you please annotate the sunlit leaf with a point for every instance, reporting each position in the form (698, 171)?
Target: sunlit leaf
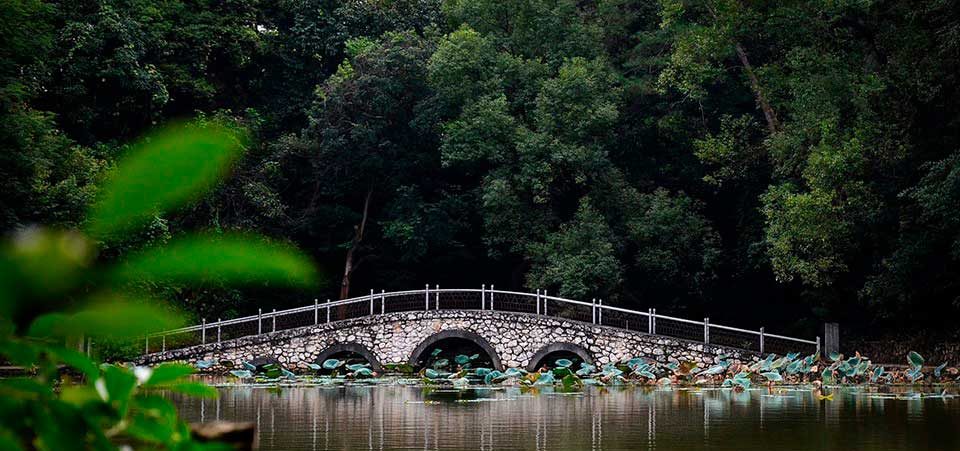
(229, 258)
(564, 363)
(164, 171)
(331, 364)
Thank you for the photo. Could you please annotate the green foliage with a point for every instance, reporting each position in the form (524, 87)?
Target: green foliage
(579, 258)
(53, 298)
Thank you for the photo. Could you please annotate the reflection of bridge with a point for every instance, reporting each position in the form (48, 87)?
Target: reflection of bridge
(514, 328)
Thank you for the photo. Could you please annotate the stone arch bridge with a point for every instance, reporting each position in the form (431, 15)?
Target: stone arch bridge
(514, 329)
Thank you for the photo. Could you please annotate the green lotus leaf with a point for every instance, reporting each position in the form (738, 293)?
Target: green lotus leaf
(915, 359)
(772, 376)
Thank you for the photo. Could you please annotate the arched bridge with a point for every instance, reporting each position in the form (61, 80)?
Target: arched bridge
(513, 329)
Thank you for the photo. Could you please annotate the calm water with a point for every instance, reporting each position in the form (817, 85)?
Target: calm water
(403, 417)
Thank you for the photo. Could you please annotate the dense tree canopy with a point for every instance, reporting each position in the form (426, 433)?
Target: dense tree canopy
(791, 161)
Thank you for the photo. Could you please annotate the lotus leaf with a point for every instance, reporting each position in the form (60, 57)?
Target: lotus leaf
(249, 366)
(939, 369)
(461, 359)
(545, 379)
(772, 376)
(835, 356)
(713, 370)
(441, 363)
(585, 369)
(331, 364)
(564, 363)
(357, 366)
(435, 352)
(827, 376)
(481, 372)
(287, 373)
(242, 374)
(915, 360)
(204, 364)
(363, 372)
(314, 366)
(515, 372)
(647, 375)
(492, 376)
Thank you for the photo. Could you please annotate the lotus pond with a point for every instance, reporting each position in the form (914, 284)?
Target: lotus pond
(394, 415)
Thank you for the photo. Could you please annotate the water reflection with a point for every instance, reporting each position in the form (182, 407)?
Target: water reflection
(396, 417)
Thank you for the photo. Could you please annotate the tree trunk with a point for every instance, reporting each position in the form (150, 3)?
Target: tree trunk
(773, 125)
(349, 267)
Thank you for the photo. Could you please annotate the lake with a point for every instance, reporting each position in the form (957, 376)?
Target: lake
(397, 417)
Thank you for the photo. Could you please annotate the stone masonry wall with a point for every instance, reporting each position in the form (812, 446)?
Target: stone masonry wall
(391, 338)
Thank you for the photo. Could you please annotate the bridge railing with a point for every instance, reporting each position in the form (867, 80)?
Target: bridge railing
(539, 303)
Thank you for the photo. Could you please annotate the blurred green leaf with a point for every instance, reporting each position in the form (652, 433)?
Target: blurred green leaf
(114, 318)
(229, 258)
(79, 395)
(18, 352)
(77, 360)
(40, 262)
(163, 171)
(24, 388)
(169, 372)
(8, 441)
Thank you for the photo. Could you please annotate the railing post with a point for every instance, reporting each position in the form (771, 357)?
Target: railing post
(593, 308)
(371, 302)
(654, 318)
(316, 311)
(706, 330)
(818, 344)
(483, 297)
(328, 310)
(203, 331)
(163, 343)
(383, 302)
(545, 303)
(426, 298)
(538, 301)
(218, 329)
(436, 296)
(600, 312)
(274, 320)
(761, 340)
(492, 292)
(649, 320)
(259, 321)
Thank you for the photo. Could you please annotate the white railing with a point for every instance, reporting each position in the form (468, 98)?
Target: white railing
(539, 303)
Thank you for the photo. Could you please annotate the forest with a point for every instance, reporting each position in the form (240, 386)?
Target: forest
(779, 163)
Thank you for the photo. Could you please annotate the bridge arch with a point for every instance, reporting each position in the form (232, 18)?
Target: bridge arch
(355, 348)
(476, 339)
(561, 348)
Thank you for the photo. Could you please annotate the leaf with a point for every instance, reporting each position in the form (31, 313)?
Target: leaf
(915, 359)
(564, 363)
(118, 383)
(435, 352)
(461, 359)
(431, 373)
(161, 172)
(228, 258)
(169, 372)
(107, 316)
(939, 369)
(331, 364)
(772, 376)
(242, 374)
(77, 360)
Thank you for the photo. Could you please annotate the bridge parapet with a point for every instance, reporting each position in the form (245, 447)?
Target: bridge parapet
(384, 308)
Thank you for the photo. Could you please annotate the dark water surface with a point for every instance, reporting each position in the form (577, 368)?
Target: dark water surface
(405, 417)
